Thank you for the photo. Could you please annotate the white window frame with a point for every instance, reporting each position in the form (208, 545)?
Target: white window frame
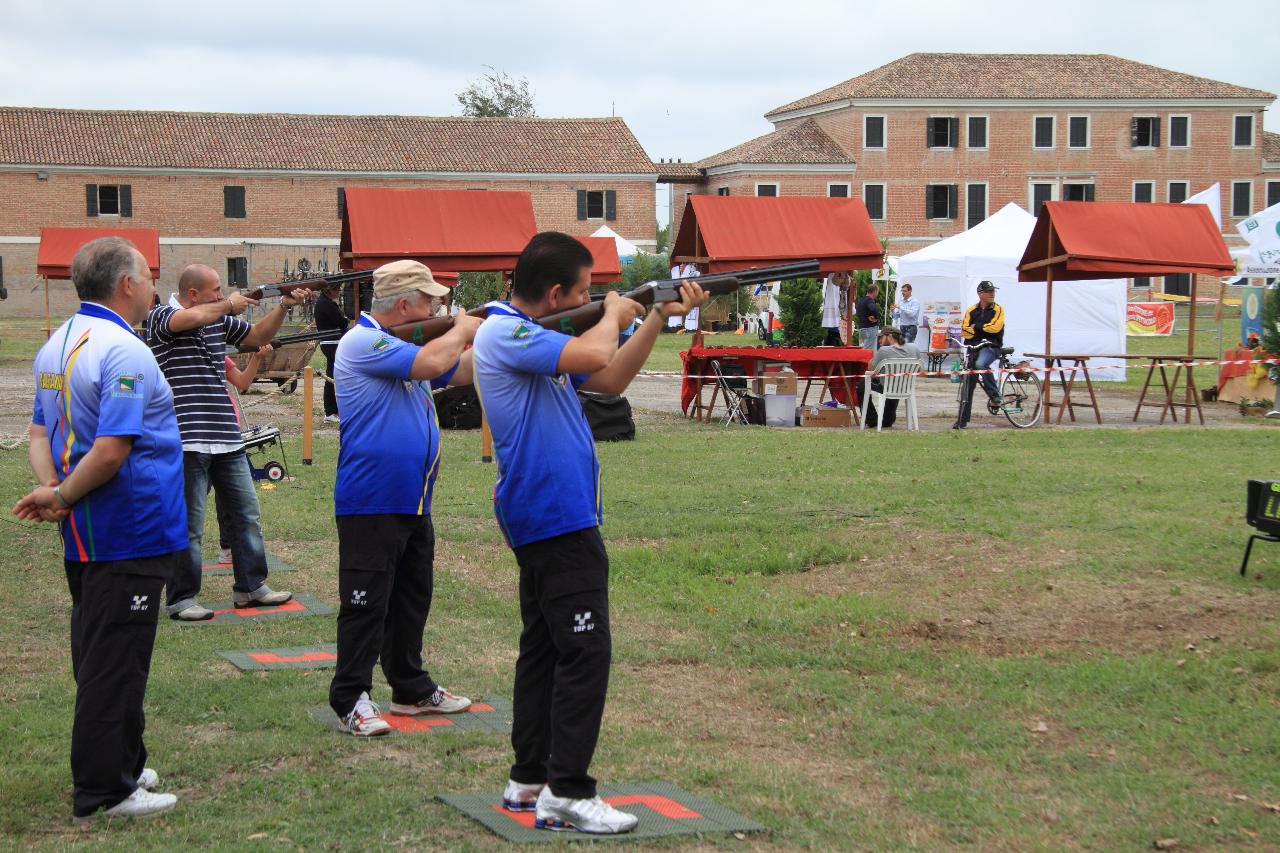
(603, 207)
(986, 201)
(955, 142)
(884, 199)
(986, 118)
(848, 189)
(1267, 188)
(1187, 116)
(1168, 188)
(1053, 134)
(777, 188)
(933, 218)
(99, 201)
(884, 132)
(1088, 132)
(1249, 212)
(1253, 131)
(1054, 194)
(1133, 194)
(1063, 184)
(1151, 135)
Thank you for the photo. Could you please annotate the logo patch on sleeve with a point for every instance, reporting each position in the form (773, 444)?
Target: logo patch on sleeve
(521, 331)
(127, 385)
(380, 345)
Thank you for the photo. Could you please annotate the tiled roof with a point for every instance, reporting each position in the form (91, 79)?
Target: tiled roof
(280, 141)
(1271, 146)
(677, 172)
(991, 76)
(804, 142)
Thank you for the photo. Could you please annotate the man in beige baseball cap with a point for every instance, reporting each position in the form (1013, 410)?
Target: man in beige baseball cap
(387, 467)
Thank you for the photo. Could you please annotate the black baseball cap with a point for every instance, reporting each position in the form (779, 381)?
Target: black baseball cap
(986, 287)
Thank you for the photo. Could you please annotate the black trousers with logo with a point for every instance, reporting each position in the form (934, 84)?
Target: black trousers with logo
(385, 578)
(114, 607)
(562, 673)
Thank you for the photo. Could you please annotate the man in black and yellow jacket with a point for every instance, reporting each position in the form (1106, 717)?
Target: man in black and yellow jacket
(982, 322)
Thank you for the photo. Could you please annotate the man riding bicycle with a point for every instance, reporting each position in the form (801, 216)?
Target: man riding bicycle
(983, 331)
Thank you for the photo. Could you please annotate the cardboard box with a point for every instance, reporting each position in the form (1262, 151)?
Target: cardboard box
(779, 382)
(824, 417)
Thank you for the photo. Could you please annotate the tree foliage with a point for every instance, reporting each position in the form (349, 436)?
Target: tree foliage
(476, 288)
(800, 302)
(497, 93)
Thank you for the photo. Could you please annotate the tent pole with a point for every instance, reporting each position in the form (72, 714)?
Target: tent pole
(1048, 331)
(48, 328)
(1191, 347)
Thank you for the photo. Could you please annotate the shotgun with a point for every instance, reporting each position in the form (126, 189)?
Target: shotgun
(300, 338)
(575, 321)
(283, 288)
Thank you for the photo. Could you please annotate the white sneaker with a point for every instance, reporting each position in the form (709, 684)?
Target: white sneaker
(194, 613)
(440, 702)
(331, 419)
(594, 815)
(141, 803)
(519, 797)
(224, 557)
(365, 719)
(149, 779)
(263, 596)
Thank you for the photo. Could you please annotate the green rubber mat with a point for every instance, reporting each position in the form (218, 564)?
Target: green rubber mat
(302, 604)
(212, 569)
(491, 715)
(663, 809)
(293, 657)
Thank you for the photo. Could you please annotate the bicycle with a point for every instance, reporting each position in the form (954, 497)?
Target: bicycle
(1021, 395)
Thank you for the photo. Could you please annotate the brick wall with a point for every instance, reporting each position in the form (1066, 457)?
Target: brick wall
(744, 184)
(279, 209)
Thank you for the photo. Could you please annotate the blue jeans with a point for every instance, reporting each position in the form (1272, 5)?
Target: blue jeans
(229, 475)
(982, 360)
(867, 337)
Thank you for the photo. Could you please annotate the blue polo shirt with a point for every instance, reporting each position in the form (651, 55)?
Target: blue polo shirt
(390, 438)
(548, 474)
(95, 377)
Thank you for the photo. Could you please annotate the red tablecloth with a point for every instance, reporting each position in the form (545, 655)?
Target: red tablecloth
(805, 361)
(1230, 371)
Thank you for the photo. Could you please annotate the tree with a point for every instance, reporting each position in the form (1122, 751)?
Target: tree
(497, 93)
(664, 237)
(801, 304)
(476, 288)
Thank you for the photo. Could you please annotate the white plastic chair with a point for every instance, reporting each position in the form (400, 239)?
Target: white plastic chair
(898, 379)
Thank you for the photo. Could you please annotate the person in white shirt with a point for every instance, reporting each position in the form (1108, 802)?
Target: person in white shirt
(906, 314)
(833, 289)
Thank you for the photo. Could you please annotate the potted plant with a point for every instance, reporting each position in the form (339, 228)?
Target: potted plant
(1254, 408)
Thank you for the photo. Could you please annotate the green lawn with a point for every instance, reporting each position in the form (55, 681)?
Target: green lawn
(1019, 640)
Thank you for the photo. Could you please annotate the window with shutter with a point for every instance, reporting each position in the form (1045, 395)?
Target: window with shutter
(342, 202)
(1179, 131)
(1040, 193)
(873, 132)
(1243, 133)
(1273, 193)
(610, 204)
(90, 199)
(769, 190)
(1078, 132)
(873, 198)
(108, 200)
(233, 202)
(595, 204)
(1043, 134)
(837, 190)
(722, 191)
(582, 204)
(1077, 192)
(977, 137)
(1241, 198)
(126, 201)
(1143, 191)
(975, 204)
(940, 201)
(238, 272)
(1144, 132)
(942, 131)
(1178, 191)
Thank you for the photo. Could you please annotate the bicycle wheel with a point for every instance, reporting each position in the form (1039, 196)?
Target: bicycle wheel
(1022, 398)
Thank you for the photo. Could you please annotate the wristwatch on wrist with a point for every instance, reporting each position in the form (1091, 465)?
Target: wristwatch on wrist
(57, 493)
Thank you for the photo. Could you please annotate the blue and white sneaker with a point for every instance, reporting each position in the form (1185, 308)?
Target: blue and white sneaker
(521, 798)
(593, 815)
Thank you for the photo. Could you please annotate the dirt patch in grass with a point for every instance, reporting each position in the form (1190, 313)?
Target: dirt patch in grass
(1002, 597)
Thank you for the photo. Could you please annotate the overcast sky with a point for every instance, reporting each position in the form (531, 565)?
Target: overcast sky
(691, 78)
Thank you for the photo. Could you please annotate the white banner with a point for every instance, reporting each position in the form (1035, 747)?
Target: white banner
(1212, 198)
(1262, 227)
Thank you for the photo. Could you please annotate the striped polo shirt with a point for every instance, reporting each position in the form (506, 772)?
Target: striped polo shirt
(192, 362)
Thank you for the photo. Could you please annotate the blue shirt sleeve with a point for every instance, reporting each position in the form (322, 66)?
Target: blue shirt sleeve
(442, 381)
(37, 413)
(578, 379)
(384, 356)
(523, 346)
(122, 391)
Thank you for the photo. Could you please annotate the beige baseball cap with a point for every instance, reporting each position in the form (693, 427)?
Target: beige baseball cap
(403, 277)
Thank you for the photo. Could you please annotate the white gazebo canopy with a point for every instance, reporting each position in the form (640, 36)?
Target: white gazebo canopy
(626, 249)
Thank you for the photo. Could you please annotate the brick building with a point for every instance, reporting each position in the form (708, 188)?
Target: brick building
(248, 193)
(933, 143)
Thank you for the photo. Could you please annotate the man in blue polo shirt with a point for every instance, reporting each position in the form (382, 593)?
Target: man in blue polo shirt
(387, 465)
(106, 450)
(549, 507)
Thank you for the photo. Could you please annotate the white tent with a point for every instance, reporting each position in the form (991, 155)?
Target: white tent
(627, 250)
(1088, 316)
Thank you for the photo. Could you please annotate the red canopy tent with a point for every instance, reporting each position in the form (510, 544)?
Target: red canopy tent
(1079, 240)
(58, 247)
(455, 230)
(606, 266)
(727, 233)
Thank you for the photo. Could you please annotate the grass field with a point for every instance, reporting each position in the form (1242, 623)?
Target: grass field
(1015, 640)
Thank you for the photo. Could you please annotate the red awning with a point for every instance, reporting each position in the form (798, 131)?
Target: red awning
(455, 230)
(58, 246)
(606, 267)
(728, 233)
(1094, 239)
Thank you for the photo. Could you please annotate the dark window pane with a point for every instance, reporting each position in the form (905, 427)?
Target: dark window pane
(1077, 192)
(977, 204)
(1273, 193)
(108, 199)
(722, 191)
(940, 132)
(1143, 132)
(595, 204)
(939, 198)
(1241, 198)
(1143, 191)
(873, 197)
(238, 272)
(1179, 283)
(769, 190)
(1078, 131)
(1178, 132)
(1177, 192)
(1040, 193)
(977, 131)
(1044, 132)
(838, 191)
(874, 132)
(1244, 130)
(233, 202)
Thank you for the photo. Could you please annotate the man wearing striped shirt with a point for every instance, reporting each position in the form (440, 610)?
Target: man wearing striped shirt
(189, 338)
